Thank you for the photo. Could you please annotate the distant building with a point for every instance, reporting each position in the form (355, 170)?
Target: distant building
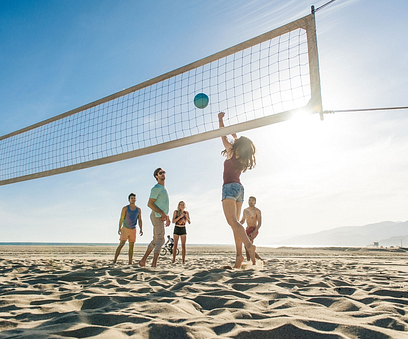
(375, 244)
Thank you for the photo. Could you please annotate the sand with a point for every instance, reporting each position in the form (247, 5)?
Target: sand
(76, 292)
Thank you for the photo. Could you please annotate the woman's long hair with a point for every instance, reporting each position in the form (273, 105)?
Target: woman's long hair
(179, 209)
(245, 151)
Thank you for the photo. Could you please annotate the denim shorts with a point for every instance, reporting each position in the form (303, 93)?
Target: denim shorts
(233, 191)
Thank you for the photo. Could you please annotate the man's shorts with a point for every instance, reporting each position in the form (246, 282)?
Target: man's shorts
(128, 234)
(249, 230)
(233, 191)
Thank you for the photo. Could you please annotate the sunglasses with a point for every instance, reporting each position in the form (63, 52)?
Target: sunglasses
(162, 172)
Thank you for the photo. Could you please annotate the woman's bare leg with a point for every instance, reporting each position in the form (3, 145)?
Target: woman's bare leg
(175, 238)
(230, 208)
(238, 250)
(238, 242)
(183, 247)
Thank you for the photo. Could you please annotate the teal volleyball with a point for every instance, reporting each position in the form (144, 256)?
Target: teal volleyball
(201, 100)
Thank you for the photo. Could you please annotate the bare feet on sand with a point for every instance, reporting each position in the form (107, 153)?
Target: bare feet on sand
(142, 263)
(238, 261)
(251, 252)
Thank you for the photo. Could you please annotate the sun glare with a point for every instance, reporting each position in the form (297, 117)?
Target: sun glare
(304, 133)
(302, 144)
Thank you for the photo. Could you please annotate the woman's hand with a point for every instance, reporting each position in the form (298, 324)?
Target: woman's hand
(220, 117)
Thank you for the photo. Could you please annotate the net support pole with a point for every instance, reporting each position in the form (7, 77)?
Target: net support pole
(315, 104)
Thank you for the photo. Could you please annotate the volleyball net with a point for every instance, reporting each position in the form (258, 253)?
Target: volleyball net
(261, 81)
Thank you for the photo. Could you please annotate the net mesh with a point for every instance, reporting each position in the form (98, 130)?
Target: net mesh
(257, 81)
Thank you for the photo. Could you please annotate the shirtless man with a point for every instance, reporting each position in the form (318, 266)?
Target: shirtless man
(252, 216)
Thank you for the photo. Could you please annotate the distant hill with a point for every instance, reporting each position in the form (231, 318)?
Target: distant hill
(395, 241)
(385, 233)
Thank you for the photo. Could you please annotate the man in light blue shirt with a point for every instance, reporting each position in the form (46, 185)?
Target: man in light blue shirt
(159, 204)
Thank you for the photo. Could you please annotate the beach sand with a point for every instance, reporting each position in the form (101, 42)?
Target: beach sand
(76, 292)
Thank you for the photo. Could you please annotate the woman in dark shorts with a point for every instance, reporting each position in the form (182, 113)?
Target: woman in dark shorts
(180, 218)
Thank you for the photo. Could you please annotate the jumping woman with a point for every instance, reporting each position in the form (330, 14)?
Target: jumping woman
(240, 156)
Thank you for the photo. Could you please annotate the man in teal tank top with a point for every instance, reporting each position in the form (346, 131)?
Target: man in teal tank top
(129, 217)
(159, 204)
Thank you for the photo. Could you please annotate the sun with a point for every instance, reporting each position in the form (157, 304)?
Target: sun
(303, 140)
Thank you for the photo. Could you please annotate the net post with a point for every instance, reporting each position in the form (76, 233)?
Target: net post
(321, 116)
(316, 97)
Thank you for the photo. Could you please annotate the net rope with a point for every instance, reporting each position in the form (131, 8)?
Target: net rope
(261, 80)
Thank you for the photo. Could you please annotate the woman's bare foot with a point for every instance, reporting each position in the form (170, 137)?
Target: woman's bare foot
(142, 263)
(238, 261)
(252, 253)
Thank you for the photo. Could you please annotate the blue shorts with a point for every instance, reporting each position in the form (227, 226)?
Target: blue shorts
(233, 191)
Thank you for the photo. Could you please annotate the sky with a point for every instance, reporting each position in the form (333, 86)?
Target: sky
(311, 175)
